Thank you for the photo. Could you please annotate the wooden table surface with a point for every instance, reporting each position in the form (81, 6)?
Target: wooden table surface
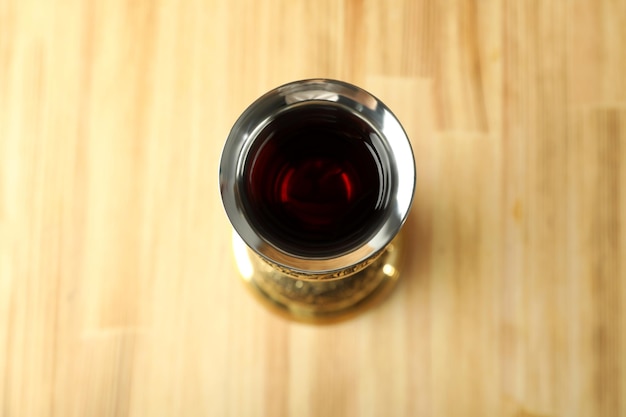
(118, 292)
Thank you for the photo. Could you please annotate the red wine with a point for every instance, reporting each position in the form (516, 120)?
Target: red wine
(315, 181)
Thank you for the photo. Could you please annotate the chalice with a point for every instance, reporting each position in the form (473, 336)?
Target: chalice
(317, 178)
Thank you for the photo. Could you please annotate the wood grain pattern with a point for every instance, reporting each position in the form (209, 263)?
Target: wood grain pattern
(118, 293)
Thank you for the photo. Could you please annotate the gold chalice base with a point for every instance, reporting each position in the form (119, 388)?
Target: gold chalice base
(319, 300)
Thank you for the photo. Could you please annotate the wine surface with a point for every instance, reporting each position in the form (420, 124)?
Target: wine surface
(315, 182)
